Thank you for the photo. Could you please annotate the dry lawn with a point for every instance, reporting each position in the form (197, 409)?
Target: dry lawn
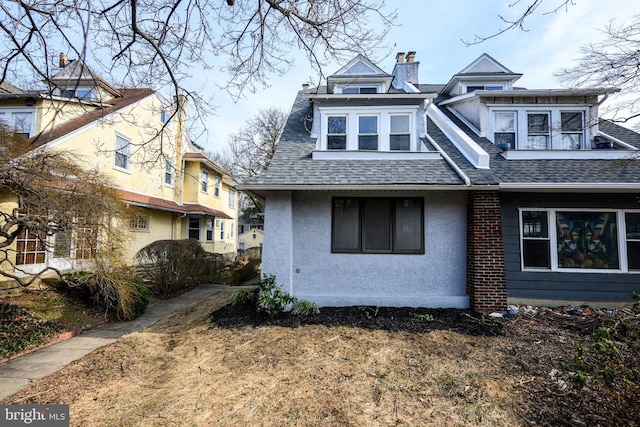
(185, 372)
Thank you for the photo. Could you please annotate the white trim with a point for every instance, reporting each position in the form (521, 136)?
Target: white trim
(617, 141)
(589, 154)
(468, 147)
(373, 155)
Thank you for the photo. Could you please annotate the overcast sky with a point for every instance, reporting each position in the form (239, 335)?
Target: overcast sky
(435, 30)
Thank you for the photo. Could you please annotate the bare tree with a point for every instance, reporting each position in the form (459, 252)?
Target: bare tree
(250, 149)
(524, 11)
(158, 42)
(613, 62)
(51, 205)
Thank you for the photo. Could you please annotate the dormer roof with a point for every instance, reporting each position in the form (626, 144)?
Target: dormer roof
(483, 69)
(359, 70)
(76, 73)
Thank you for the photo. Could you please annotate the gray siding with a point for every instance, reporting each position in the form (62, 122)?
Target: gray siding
(562, 286)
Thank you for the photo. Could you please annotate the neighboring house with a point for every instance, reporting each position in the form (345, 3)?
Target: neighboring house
(136, 138)
(250, 230)
(387, 192)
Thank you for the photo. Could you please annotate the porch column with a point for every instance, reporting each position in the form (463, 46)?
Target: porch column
(486, 282)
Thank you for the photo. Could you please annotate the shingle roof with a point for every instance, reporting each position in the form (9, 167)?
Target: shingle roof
(129, 96)
(292, 163)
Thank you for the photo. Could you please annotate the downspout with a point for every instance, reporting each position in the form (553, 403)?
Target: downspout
(454, 166)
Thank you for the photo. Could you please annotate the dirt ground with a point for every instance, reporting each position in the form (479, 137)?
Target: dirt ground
(227, 366)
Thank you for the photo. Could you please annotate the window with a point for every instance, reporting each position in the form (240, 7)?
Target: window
(204, 181)
(337, 132)
(165, 116)
(535, 239)
(216, 186)
(122, 159)
(537, 131)
(632, 222)
(193, 228)
(368, 132)
(587, 240)
(168, 173)
(209, 229)
(484, 87)
(231, 231)
(30, 247)
(400, 137)
(232, 198)
(377, 225)
(139, 223)
(86, 241)
(62, 244)
(221, 230)
(571, 128)
(21, 122)
(357, 90)
(504, 128)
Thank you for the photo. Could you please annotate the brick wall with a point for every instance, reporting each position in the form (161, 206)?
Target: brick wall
(486, 283)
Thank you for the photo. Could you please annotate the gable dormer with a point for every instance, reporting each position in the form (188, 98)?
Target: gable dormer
(359, 76)
(76, 80)
(485, 73)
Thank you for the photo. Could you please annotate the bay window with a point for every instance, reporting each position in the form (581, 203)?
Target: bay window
(377, 225)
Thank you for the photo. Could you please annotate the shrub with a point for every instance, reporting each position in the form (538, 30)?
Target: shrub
(305, 308)
(174, 266)
(272, 300)
(243, 296)
(117, 293)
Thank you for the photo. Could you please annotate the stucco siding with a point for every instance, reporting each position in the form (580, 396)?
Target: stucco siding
(434, 279)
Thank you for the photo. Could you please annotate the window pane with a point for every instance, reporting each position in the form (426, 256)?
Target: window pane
(337, 125)
(400, 124)
(346, 228)
(536, 253)
(376, 227)
(400, 142)
(22, 123)
(194, 228)
(408, 226)
(587, 240)
(335, 142)
(505, 138)
(571, 141)
(571, 121)
(504, 122)
(351, 90)
(368, 125)
(537, 142)
(368, 90)
(633, 254)
(633, 226)
(538, 122)
(535, 224)
(367, 142)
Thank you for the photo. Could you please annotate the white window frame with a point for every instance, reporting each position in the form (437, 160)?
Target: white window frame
(345, 135)
(204, 180)
(572, 132)
(384, 125)
(169, 172)
(555, 126)
(515, 125)
(209, 230)
(483, 86)
(139, 223)
(623, 261)
(376, 134)
(7, 115)
(391, 133)
(216, 185)
(122, 150)
(222, 239)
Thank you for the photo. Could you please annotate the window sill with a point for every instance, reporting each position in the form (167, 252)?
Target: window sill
(118, 168)
(375, 155)
(566, 154)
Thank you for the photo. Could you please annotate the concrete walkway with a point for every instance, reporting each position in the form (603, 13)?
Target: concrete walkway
(19, 373)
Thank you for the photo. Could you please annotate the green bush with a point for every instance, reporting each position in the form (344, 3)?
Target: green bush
(305, 308)
(272, 300)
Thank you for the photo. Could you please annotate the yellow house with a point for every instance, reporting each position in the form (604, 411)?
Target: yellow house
(138, 139)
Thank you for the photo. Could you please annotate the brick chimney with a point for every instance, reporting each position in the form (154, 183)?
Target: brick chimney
(405, 71)
(63, 60)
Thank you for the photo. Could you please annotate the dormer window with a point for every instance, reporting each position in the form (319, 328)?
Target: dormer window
(337, 132)
(77, 93)
(540, 129)
(368, 133)
(400, 136)
(360, 89)
(484, 87)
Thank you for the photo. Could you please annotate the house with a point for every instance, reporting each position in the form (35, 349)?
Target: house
(250, 230)
(138, 139)
(471, 193)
